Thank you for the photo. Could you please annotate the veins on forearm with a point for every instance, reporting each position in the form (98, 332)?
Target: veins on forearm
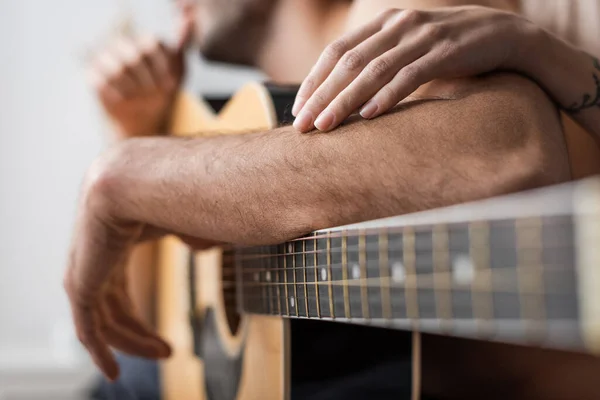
(589, 100)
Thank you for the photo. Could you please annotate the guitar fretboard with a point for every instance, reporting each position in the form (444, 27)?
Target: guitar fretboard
(521, 269)
(508, 278)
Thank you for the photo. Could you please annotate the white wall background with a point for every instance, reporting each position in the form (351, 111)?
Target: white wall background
(50, 130)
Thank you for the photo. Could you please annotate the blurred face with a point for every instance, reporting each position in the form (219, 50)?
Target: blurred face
(231, 30)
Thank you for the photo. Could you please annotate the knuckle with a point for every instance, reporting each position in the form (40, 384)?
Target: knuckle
(308, 86)
(389, 13)
(336, 50)
(353, 60)
(379, 67)
(413, 16)
(318, 99)
(433, 31)
(410, 73)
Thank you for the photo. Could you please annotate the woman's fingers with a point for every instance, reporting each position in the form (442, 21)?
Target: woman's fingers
(404, 83)
(347, 69)
(378, 73)
(329, 58)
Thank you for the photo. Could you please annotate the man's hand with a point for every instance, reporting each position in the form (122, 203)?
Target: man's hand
(136, 80)
(497, 135)
(95, 280)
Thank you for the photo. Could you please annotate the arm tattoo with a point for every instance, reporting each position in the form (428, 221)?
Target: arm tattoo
(589, 101)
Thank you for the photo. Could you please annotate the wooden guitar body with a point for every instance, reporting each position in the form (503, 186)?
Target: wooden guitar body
(231, 357)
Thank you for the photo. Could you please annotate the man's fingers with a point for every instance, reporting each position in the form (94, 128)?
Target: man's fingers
(105, 90)
(120, 336)
(136, 62)
(185, 33)
(404, 83)
(128, 333)
(328, 60)
(86, 326)
(157, 56)
(116, 73)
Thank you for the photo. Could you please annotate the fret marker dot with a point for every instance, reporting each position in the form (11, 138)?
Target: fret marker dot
(292, 302)
(355, 271)
(290, 248)
(398, 272)
(463, 269)
(323, 274)
(256, 276)
(268, 276)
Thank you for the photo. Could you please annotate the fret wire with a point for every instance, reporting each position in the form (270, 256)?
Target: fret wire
(441, 259)
(278, 291)
(330, 278)
(386, 303)
(410, 281)
(547, 266)
(295, 282)
(481, 301)
(239, 289)
(345, 277)
(362, 262)
(529, 261)
(285, 280)
(268, 290)
(317, 280)
(305, 283)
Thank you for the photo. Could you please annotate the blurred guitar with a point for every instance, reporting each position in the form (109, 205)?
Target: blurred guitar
(521, 269)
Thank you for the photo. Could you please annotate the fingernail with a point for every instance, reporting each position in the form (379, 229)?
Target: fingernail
(325, 121)
(304, 121)
(369, 110)
(298, 104)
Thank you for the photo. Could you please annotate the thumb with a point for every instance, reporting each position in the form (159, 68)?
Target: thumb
(185, 33)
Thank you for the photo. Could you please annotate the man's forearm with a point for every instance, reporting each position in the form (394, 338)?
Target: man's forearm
(267, 187)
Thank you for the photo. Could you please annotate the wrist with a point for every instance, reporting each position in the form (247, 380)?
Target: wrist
(530, 46)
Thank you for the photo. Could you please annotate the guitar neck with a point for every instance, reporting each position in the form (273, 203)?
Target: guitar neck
(511, 278)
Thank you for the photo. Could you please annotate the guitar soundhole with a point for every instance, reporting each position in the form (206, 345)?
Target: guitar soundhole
(230, 301)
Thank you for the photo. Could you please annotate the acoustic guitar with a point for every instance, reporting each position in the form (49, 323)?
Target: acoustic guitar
(519, 269)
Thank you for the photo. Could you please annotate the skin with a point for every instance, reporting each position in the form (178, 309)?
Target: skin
(378, 64)
(320, 184)
(317, 185)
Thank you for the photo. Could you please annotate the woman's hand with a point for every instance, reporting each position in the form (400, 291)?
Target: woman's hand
(376, 66)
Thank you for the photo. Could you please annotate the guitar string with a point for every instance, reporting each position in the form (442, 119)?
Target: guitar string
(422, 280)
(523, 223)
(398, 265)
(419, 248)
(415, 230)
